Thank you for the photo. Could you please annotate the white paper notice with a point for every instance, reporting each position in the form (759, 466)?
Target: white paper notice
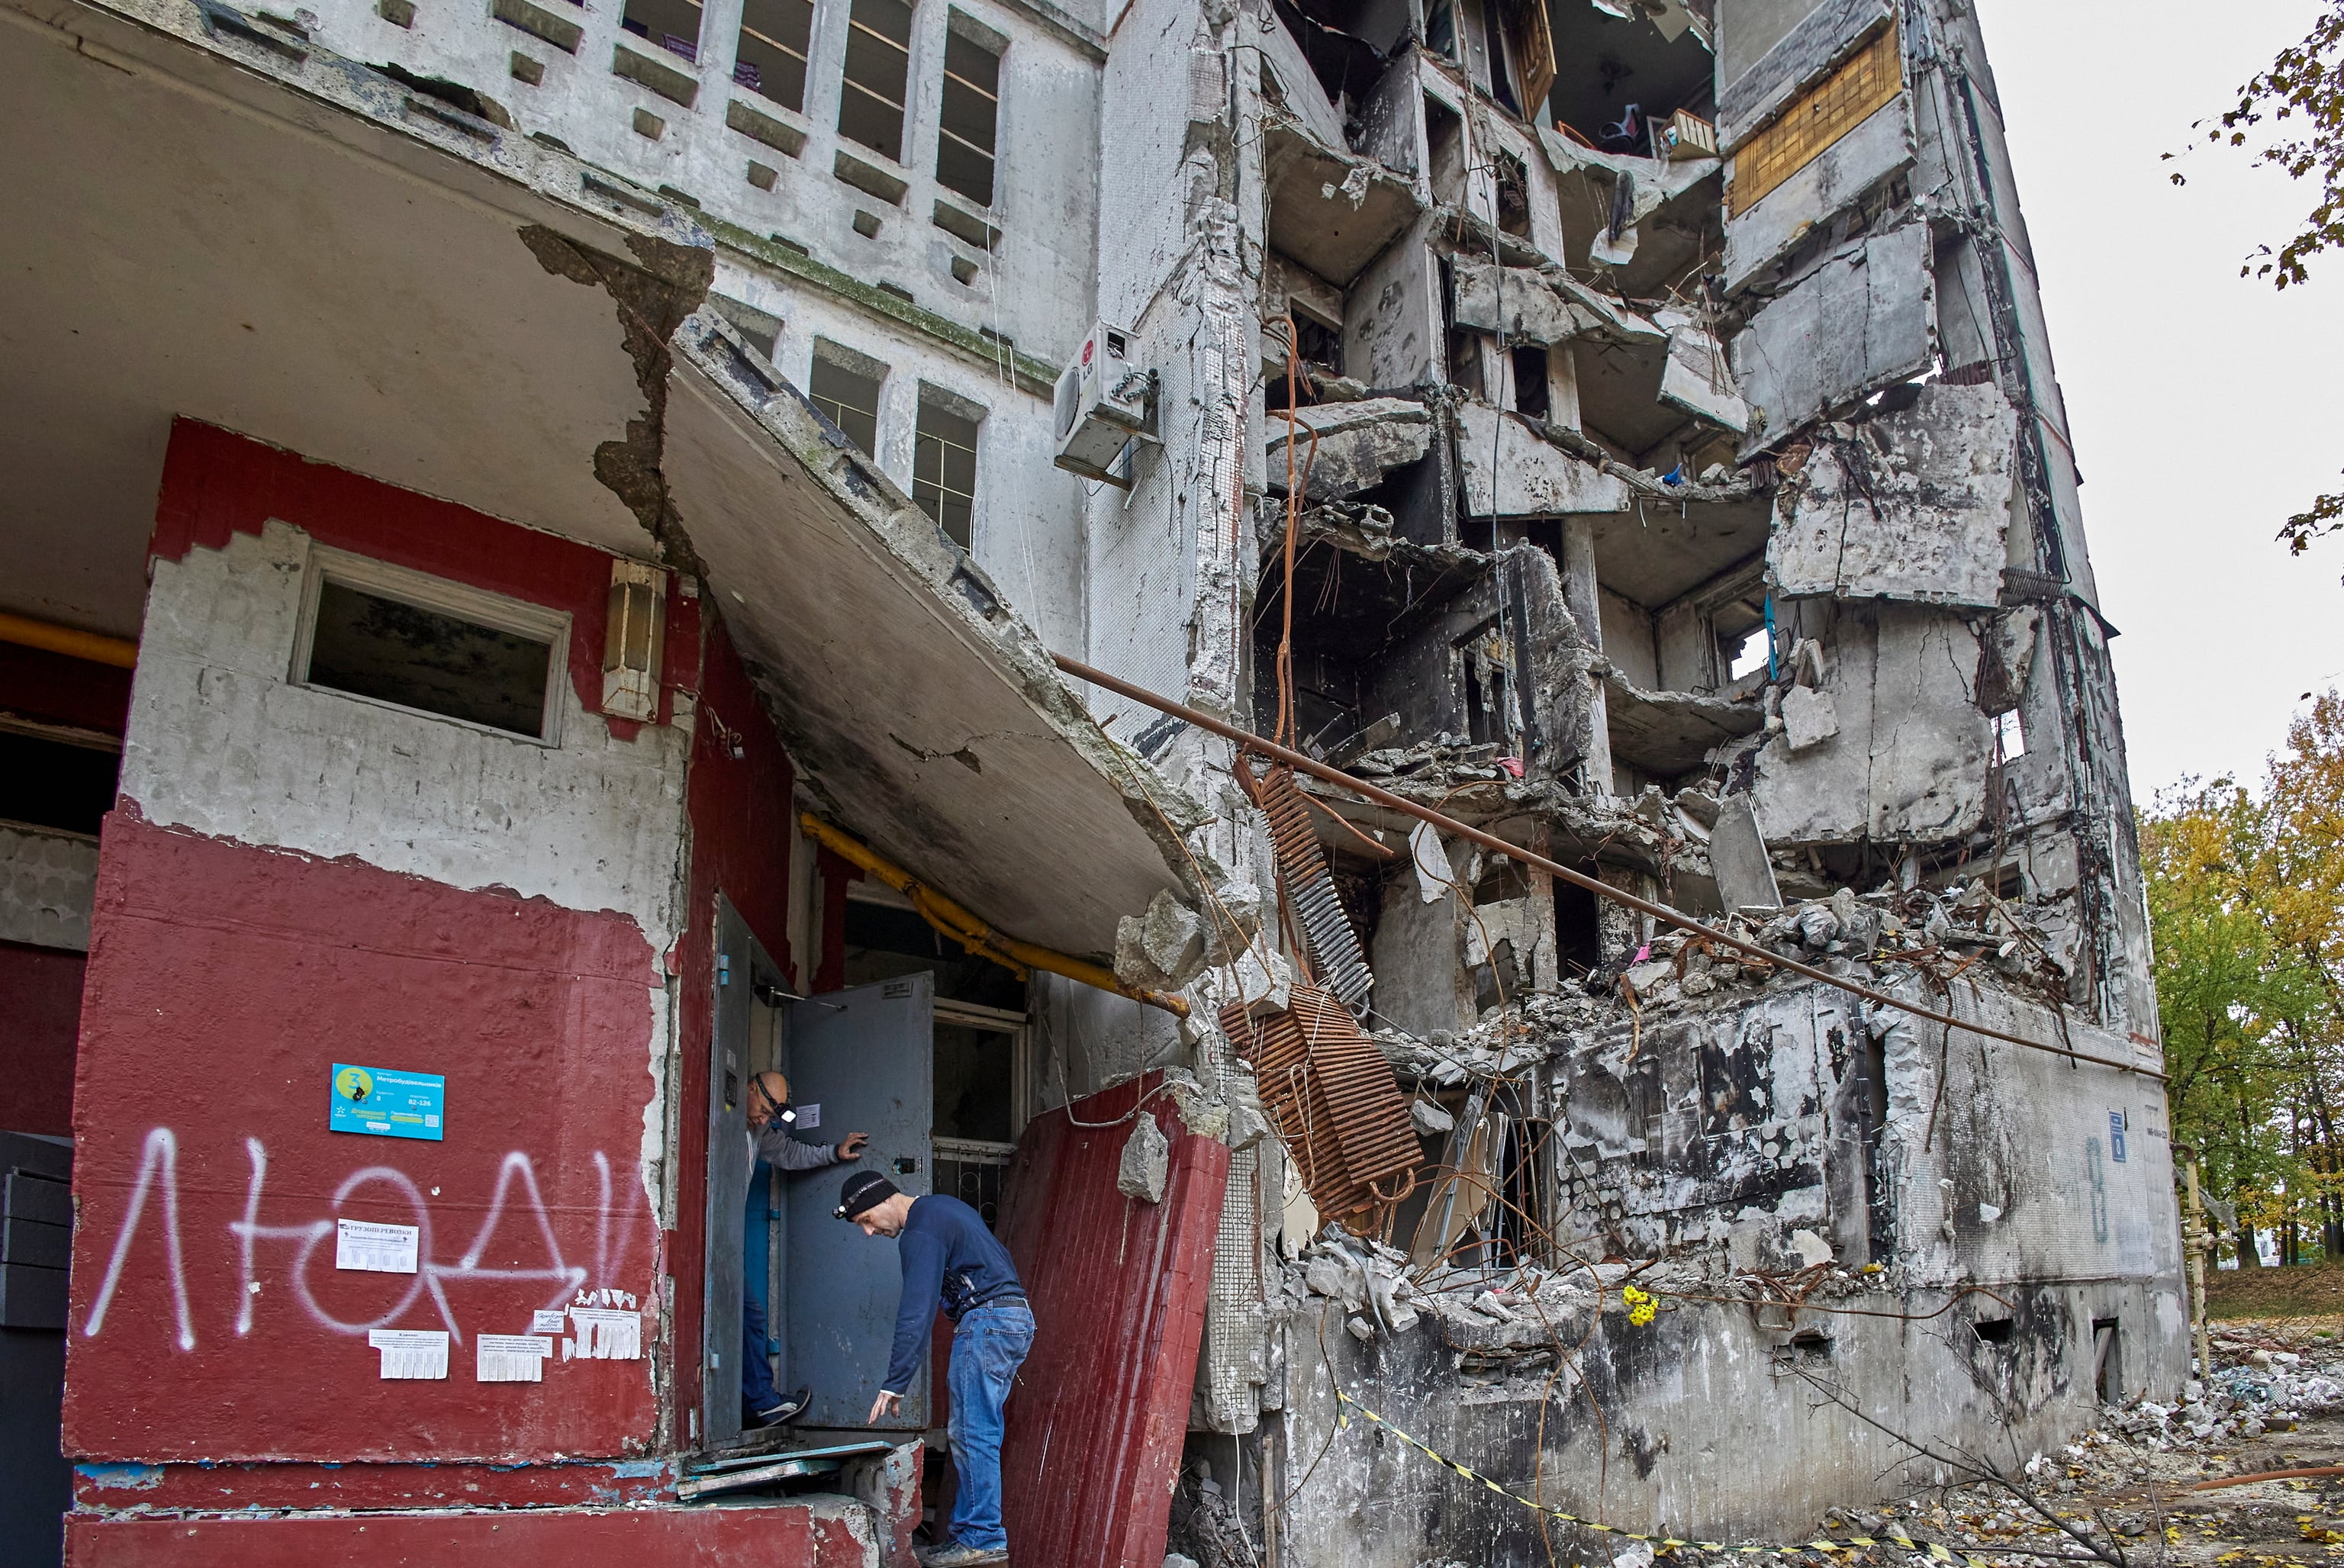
(605, 1336)
(511, 1358)
(809, 1118)
(411, 1352)
(375, 1249)
(548, 1320)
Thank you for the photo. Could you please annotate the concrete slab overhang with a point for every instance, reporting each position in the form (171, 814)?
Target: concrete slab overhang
(910, 692)
(210, 216)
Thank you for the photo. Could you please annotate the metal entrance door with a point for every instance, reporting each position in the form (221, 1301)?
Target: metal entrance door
(865, 1056)
(741, 967)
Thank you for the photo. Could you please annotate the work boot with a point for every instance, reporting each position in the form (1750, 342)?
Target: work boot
(953, 1554)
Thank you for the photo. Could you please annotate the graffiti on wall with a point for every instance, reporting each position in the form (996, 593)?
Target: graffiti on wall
(272, 1244)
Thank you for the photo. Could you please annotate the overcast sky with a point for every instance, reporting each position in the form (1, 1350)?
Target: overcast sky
(2207, 408)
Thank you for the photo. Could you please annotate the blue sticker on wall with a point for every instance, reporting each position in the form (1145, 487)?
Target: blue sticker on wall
(2116, 1137)
(388, 1103)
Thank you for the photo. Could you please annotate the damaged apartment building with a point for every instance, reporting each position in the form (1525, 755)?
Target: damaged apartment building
(1414, 681)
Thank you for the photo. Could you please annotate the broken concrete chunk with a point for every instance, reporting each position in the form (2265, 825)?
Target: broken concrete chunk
(1510, 470)
(1737, 856)
(1356, 444)
(1434, 878)
(1431, 1120)
(1911, 505)
(1863, 319)
(1146, 1162)
(1163, 949)
(1534, 307)
(1808, 718)
(1694, 379)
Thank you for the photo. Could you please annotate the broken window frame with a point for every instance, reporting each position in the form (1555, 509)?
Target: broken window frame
(763, 38)
(861, 31)
(961, 40)
(439, 596)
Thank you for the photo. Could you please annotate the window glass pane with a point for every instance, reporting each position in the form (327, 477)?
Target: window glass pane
(672, 24)
(428, 659)
(944, 471)
(878, 63)
(964, 147)
(849, 399)
(775, 35)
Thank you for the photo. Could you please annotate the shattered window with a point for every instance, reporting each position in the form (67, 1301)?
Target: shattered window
(878, 64)
(775, 36)
(943, 470)
(847, 399)
(971, 103)
(672, 24)
(428, 658)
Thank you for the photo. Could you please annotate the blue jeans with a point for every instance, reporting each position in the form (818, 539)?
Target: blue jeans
(756, 1370)
(987, 1350)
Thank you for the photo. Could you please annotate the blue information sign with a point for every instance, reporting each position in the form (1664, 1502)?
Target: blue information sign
(388, 1103)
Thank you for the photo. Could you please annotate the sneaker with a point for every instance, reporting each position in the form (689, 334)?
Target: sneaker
(789, 1409)
(954, 1554)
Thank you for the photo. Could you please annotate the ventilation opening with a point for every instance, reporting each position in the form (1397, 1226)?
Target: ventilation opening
(1995, 1330)
(972, 107)
(878, 63)
(770, 59)
(429, 658)
(59, 782)
(1811, 1344)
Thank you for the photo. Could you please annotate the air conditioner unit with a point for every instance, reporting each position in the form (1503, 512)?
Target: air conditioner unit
(1104, 402)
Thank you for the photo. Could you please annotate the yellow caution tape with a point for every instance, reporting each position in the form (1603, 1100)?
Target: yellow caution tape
(1345, 1404)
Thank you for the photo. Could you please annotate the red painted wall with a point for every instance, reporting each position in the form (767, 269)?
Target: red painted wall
(790, 1535)
(40, 1015)
(740, 809)
(224, 980)
(1118, 1290)
(217, 483)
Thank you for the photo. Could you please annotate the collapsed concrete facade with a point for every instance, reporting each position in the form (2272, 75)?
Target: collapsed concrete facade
(1658, 400)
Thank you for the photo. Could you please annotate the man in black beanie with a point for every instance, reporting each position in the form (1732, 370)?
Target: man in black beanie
(951, 1259)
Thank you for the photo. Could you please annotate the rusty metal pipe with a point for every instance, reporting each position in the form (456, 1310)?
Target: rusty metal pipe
(1384, 797)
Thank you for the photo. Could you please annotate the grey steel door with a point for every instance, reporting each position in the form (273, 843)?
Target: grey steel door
(865, 1056)
(741, 963)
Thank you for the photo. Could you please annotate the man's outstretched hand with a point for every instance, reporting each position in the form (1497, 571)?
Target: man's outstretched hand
(886, 1403)
(850, 1146)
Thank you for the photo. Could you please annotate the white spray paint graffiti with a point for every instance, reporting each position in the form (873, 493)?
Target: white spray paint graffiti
(162, 1153)
(159, 1163)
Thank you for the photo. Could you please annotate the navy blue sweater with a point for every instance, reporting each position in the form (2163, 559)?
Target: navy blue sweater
(950, 1260)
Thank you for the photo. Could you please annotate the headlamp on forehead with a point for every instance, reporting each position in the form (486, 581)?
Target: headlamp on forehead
(783, 1111)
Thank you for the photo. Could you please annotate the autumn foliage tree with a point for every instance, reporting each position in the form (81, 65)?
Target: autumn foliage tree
(2246, 896)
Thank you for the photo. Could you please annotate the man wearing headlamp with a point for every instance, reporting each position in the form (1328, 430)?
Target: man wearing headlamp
(772, 1137)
